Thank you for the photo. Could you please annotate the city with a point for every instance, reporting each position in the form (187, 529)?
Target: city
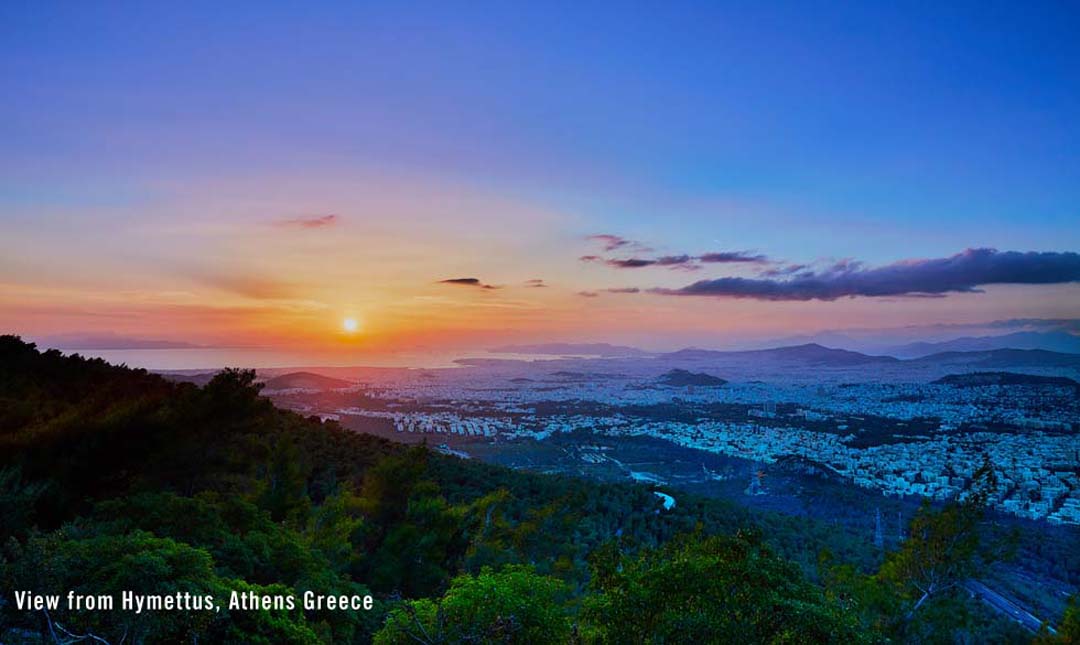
(904, 439)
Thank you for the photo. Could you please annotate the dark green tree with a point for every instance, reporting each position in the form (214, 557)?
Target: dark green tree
(944, 546)
(18, 499)
(699, 589)
(1067, 630)
(110, 565)
(514, 605)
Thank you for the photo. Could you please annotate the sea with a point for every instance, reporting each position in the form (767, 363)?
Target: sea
(200, 359)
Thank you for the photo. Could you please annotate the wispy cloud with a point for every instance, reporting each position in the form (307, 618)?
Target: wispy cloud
(309, 221)
(785, 269)
(611, 242)
(468, 282)
(256, 288)
(535, 283)
(1071, 325)
(964, 272)
(596, 293)
(245, 284)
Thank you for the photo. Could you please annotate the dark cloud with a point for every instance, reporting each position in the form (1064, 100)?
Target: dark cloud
(732, 257)
(682, 261)
(535, 283)
(309, 221)
(674, 261)
(670, 261)
(964, 272)
(630, 263)
(587, 294)
(468, 282)
(623, 290)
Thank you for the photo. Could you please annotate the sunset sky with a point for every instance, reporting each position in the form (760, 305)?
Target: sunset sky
(467, 174)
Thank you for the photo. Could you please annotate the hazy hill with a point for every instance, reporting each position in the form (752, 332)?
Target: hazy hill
(977, 379)
(196, 378)
(305, 381)
(683, 378)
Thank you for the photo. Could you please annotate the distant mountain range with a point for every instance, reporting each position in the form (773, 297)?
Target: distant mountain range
(1004, 358)
(1057, 341)
(880, 343)
(832, 348)
(814, 355)
(571, 349)
(982, 353)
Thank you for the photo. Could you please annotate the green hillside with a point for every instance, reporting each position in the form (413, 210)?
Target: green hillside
(114, 480)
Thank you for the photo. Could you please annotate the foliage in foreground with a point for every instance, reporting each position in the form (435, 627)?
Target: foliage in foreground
(514, 605)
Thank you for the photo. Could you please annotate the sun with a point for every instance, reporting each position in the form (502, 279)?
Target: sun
(350, 325)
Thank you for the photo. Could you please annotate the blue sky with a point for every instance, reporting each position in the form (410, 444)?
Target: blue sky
(876, 131)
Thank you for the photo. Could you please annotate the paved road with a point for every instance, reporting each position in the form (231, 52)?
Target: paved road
(1004, 605)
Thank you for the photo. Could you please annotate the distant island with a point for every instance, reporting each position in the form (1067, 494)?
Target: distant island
(79, 342)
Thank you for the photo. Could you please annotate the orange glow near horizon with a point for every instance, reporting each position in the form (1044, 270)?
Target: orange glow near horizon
(410, 313)
(409, 271)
